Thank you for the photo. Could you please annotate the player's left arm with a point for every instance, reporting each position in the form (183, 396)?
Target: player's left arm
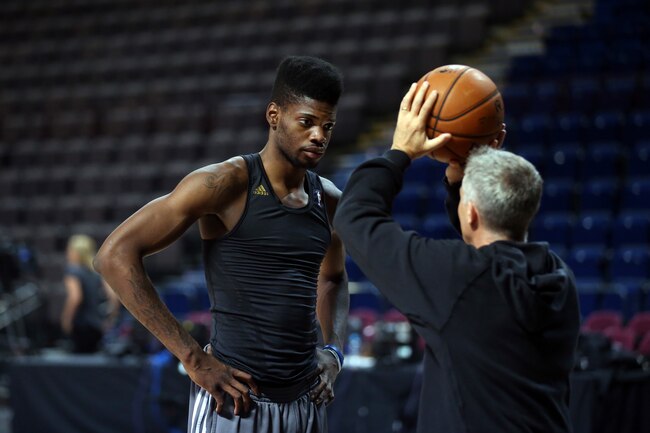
(333, 302)
(333, 296)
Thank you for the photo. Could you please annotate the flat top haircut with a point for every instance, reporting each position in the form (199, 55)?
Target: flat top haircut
(305, 76)
(505, 188)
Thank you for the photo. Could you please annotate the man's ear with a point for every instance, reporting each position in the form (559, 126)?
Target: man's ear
(473, 216)
(272, 113)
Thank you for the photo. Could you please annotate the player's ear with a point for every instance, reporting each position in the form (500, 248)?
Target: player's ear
(272, 111)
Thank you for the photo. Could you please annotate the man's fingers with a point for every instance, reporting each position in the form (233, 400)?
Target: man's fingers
(502, 136)
(407, 100)
(498, 142)
(437, 142)
(419, 97)
(428, 105)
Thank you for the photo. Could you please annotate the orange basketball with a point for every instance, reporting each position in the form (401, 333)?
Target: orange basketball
(469, 107)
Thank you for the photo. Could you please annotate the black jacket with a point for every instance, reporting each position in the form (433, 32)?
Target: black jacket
(500, 322)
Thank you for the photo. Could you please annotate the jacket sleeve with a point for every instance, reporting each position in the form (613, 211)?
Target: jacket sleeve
(422, 277)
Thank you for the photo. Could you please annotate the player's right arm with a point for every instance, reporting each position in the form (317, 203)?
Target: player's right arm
(208, 191)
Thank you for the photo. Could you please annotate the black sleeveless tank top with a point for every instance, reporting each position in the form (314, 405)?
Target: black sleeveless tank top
(262, 279)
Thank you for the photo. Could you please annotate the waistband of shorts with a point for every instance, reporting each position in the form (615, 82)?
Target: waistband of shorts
(278, 393)
(285, 393)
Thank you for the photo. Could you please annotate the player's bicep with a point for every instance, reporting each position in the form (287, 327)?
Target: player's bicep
(163, 220)
(333, 265)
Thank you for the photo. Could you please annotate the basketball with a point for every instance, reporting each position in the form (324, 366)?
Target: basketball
(469, 107)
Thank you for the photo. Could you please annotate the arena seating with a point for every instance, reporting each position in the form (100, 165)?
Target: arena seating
(106, 105)
(580, 113)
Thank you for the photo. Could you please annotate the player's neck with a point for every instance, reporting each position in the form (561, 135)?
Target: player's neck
(281, 173)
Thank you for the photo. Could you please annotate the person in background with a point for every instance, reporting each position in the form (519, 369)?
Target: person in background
(90, 304)
(499, 315)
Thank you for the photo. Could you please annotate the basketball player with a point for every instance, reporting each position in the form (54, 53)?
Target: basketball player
(499, 315)
(273, 265)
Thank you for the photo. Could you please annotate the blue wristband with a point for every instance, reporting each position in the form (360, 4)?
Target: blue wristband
(335, 350)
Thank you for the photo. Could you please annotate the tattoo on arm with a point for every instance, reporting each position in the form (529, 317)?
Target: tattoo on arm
(149, 306)
(216, 183)
(210, 181)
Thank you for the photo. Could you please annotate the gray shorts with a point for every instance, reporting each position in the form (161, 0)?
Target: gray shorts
(297, 416)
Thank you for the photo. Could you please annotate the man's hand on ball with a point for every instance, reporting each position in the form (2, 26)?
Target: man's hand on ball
(410, 132)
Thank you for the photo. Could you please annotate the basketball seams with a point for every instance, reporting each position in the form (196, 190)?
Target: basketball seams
(442, 104)
(487, 99)
(464, 136)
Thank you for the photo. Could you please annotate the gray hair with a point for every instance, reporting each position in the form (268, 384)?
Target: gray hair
(505, 188)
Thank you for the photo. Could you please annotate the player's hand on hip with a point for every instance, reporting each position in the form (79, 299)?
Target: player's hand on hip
(327, 371)
(410, 131)
(220, 379)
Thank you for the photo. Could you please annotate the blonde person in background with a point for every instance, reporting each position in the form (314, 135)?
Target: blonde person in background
(90, 304)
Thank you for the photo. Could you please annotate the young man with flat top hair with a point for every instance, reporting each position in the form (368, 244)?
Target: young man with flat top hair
(499, 315)
(273, 267)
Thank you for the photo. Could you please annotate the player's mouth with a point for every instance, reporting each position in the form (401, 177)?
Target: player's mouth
(314, 152)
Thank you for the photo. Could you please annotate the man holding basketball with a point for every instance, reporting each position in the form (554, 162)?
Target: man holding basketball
(499, 315)
(273, 266)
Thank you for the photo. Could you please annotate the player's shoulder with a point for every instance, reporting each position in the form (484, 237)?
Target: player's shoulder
(222, 181)
(232, 172)
(329, 189)
(332, 195)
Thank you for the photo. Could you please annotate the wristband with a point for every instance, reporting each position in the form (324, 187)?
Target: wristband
(337, 354)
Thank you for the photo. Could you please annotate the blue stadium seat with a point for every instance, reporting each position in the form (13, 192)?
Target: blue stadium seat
(630, 263)
(603, 160)
(637, 125)
(558, 196)
(438, 227)
(533, 128)
(425, 171)
(179, 298)
(591, 230)
(588, 262)
(533, 153)
(635, 195)
(596, 295)
(599, 195)
(354, 273)
(554, 229)
(568, 127)
(606, 126)
(411, 200)
(619, 92)
(583, 93)
(564, 161)
(631, 230)
(638, 160)
(546, 96)
(516, 96)
(526, 66)
(407, 221)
